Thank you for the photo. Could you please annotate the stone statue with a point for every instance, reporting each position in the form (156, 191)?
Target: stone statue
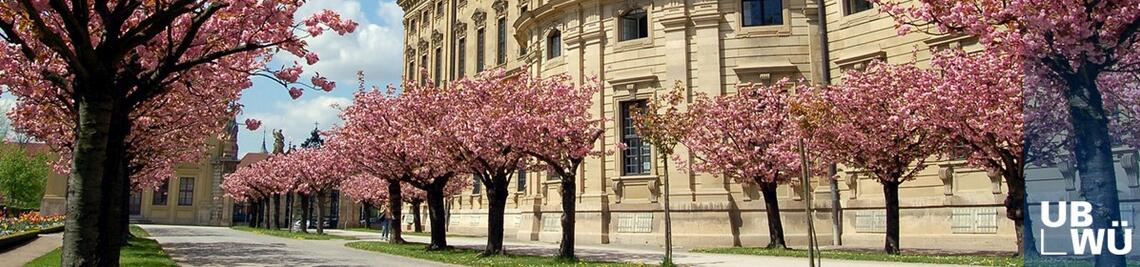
(278, 142)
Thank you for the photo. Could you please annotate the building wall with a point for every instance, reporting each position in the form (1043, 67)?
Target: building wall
(702, 45)
(208, 206)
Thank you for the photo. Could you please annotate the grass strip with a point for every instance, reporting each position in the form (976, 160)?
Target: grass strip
(291, 234)
(140, 251)
(470, 257)
(871, 256)
(370, 230)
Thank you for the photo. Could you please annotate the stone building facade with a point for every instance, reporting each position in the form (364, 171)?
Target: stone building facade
(192, 195)
(639, 47)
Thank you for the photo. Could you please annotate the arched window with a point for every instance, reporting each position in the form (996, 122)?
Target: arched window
(634, 25)
(554, 44)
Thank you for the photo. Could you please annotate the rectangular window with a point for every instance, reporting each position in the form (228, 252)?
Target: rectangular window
(856, 6)
(161, 193)
(185, 191)
(412, 70)
(477, 186)
(762, 12)
(522, 181)
(480, 42)
(636, 157)
(501, 45)
(554, 45)
(438, 64)
(461, 56)
(423, 74)
(439, 9)
(551, 175)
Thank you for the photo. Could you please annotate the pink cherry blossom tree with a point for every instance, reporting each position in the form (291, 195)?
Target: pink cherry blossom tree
(414, 149)
(319, 171)
(486, 124)
(872, 122)
(980, 107)
(1081, 49)
(560, 132)
(95, 64)
(663, 124)
(750, 138)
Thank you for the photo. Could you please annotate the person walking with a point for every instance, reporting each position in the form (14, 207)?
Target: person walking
(385, 222)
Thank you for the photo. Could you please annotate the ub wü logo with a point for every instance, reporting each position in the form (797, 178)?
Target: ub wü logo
(1076, 216)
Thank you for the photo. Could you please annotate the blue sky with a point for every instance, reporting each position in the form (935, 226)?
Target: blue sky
(375, 48)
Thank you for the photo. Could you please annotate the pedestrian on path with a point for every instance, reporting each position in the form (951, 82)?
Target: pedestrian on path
(385, 222)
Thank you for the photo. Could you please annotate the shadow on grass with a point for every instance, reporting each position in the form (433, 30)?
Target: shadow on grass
(139, 251)
(291, 234)
(983, 259)
(470, 257)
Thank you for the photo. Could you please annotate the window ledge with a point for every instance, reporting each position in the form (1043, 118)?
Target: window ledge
(859, 17)
(764, 31)
(633, 44)
(554, 61)
(632, 77)
(635, 178)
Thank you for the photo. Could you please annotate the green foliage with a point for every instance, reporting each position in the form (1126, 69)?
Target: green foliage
(291, 234)
(871, 256)
(139, 251)
(471, 257)
(667, 262)
(22, 177)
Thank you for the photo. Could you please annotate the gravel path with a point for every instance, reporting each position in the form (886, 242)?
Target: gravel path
(218, 246)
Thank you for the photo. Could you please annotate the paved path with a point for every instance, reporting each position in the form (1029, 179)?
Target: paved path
(614, 253)
(218, 246)
(32, 250)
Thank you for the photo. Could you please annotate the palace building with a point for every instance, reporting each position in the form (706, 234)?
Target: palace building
(638, 47)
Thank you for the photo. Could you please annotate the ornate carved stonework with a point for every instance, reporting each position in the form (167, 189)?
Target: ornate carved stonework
(461, 3)
(460, 30)
(479, 17)
(500, 7)
(423, 45)
(410, 52)
(436, 37)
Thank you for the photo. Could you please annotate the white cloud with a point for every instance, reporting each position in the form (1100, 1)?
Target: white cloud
(373, 48)
(297, 118)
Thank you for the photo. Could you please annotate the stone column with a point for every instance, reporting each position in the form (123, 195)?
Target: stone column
(675, 19)
(706, 20)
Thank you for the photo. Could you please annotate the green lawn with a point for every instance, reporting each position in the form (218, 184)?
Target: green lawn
(370, 230)
(871, 256)
(470, 257)
(311, 235)
(140, 251)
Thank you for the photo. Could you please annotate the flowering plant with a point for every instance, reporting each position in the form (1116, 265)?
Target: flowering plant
(30, 221)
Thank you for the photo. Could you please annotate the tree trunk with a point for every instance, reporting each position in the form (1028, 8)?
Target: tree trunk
(1015, 207)
(1024, 228)
(276, 211)
(1093, 153)
(569, 192)
(320, 212)
(437, 212)
(395, 204)
(84, 194)
(417, 226)
(289, 210)
(891, 195)
(267, 213)
(306, 212)
(251, 217)
(668, 219)
(497, 196)
(775, 223)
(116, 188)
